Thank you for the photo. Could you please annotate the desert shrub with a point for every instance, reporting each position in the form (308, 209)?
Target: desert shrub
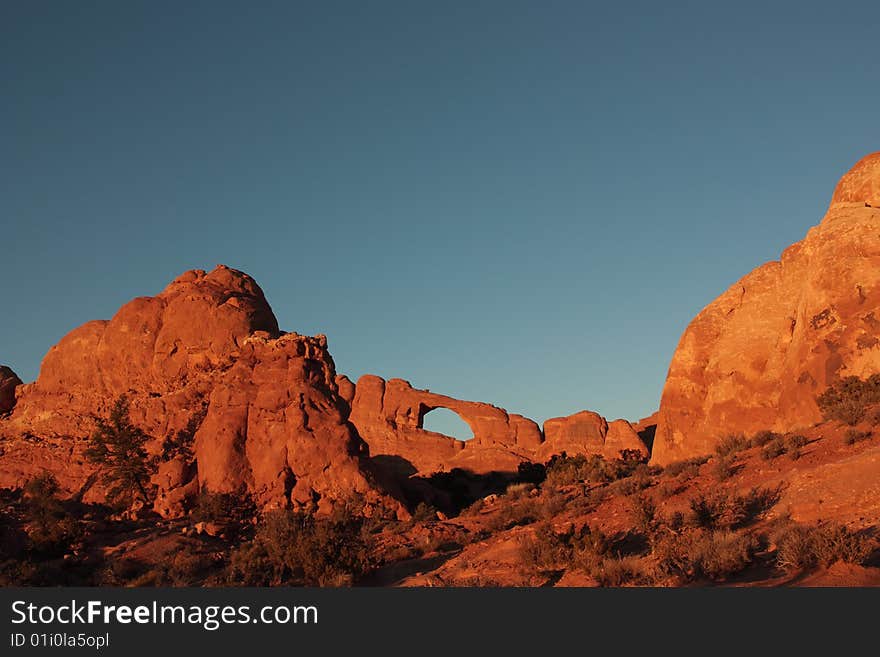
(774, 449)
(762, 438)
(563, 470)
(119, 448)
(514, 514)
(724, 467)
(722, 509)
(519, 490)
(534, 473)
(581, 548)
(223, 507)
(297, 549)
(644, 513)
(802, 547)
(699, 552)
(854, 435)
(689, 468)
(50, 528)
(848, 399)
(731, 445)
(424, 512)
(618, 571)
(797, 441)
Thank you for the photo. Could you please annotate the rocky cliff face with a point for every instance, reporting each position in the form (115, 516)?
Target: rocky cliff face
(757, 356)
(207, 346)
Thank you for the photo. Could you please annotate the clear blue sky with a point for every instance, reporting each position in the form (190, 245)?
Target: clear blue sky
(523, 203)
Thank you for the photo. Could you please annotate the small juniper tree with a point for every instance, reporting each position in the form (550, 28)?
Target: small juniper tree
(119, 448)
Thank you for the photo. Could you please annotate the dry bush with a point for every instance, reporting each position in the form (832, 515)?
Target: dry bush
(774, 449)
(644, 513)
(762, 438)
(297, 549)
(689, 468)
(801, 547)
(724, 467)
(848, 399)
(698, 552)
(854, 436)
(731, 445)
(50, 528)
(723, 509)
(619, 571)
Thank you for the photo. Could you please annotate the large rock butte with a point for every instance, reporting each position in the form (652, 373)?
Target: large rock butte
(757, 356)
(208, 345)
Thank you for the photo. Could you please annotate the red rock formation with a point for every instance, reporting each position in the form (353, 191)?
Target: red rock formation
(8, 383)
(275, 422)
(389, 416)
(588, 433)
(757, 356)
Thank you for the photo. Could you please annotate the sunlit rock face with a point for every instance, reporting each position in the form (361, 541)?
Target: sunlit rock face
(757, 356)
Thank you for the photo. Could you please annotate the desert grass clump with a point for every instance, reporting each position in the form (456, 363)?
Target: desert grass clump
(801, 547)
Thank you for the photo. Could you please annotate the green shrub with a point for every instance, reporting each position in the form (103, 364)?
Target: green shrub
(119, 448)
(50, 528)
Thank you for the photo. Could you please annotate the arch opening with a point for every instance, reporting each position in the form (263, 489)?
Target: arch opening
(445, 421)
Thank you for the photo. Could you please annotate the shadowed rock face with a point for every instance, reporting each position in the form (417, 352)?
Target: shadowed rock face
(8, 383)
(758, 355)
(209, 344)
(389, 417)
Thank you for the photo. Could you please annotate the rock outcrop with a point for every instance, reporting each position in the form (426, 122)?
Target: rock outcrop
(757, 356)
(588, 433)
(9, 381)
(207, 346)
(389, 416)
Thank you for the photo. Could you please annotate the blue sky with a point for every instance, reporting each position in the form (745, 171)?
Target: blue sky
(523, 203)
